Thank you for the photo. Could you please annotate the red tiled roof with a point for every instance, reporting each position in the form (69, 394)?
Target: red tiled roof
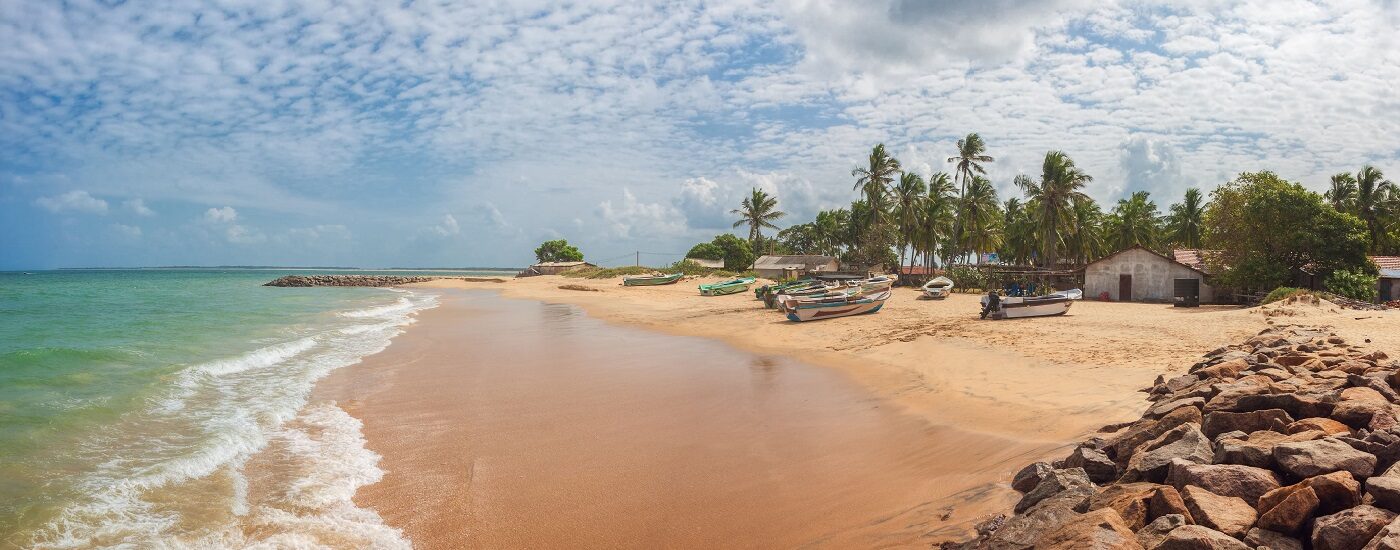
(1386, 262)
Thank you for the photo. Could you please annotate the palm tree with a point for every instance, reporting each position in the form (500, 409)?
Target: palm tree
(1055, 194)
(1372, 190)
(758, 211)
(1134, 222)
(982, 217)
(1018, 233)
(827, 230)
(971, 155)
(1342, 194)
(909, 198)
(936, 219)
(1085, 241)
(874, 181)
(1186, 220)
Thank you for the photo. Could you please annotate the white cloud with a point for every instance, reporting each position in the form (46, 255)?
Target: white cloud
(73, 201)
(633, 218)
(224, 214)
(448, 227)
(238, 234)
(128, 231)
(138, 207)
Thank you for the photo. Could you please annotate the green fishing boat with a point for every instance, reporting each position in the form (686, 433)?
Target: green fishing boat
(732, 286)
(652, 280)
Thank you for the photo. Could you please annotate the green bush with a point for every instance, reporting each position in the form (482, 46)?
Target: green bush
(1355, 284)
(558, 250)
(706, 251)
(689, 268)
(609, 272)
(737, 254)
(966, 278)
(1283, 293)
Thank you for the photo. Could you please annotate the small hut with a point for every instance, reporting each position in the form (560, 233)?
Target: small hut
(1139, 274)
(702, 262)
(553, 268)
(1389, 281)
(781, 267)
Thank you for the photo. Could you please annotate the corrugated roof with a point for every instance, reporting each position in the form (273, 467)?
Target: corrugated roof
(802, 262)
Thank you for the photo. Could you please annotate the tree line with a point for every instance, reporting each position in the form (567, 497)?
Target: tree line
(1265, 231)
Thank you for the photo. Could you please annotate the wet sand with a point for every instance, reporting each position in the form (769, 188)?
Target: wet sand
(520, 424)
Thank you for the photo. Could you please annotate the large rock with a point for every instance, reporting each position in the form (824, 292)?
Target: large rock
(1359, 406)
(1130, 500)
(1168, 406)
(1387, 539)
(1197, 537)
(1291, 512)
(1154, 533)
(1335, 491)
(1384, 492)
(1264, 538)
(1349, 529)
(1096, 464)
(1297, 405)
(1321, 456)
(1219, 422)
(1099, 530)
(1030, 476)
(1256, 449)
(1230, 515)
(1020, 532)
(1123, 445)
(1231, 480)
(1154, 458)
(1324, 425)
(1070, 488)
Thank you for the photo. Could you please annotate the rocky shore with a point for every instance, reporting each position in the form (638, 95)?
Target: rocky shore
(1286, 441)
(346, 280)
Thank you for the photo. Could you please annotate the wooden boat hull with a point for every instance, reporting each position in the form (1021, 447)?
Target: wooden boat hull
(800, 312)
(727, 287)
(938, 288)
(1043, 306)
(652, 281)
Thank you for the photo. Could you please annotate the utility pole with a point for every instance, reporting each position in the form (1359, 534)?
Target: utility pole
(639, 258)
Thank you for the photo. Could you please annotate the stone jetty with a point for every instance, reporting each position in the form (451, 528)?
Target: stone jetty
(346, 280)
(1287, 441)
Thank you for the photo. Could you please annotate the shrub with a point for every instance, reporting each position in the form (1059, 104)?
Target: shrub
(1282, 293)
(608, 272)
(1355, 284)
(965, 278)
(688, 268)
(706, 251)
(737, 254)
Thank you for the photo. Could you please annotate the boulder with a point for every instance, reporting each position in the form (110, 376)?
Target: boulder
(1123, 445)
(1181, 382)
(1096, 464)
(1325, 425)
(1153, 458)
(1349, 529)
(1230, 515)
(1231, 480)
(1384, 492)
(1070, 488)
(1196, 537)
(1099, 529)
(1291, 512)
(1297, 405)
(1387, 539)
(1359, 406)
(1219, 422)
(1130, 500)
(1226, 369)
(1334, 491)
(1264, 538)
(1154, 533)
(1167, 501)
(1168, 406)
(1321, 456)
(1020, 532)
(1257, 449)
(1030, 476)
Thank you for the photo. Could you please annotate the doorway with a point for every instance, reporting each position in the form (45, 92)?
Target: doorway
(1125, 288)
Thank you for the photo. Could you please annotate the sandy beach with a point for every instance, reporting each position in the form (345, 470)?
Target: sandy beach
(971, 400)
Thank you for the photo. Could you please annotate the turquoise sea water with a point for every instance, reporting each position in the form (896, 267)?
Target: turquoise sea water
(131, 400)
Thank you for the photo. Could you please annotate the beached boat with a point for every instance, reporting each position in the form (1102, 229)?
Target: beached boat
(874, 284)
(732, 286)
(938, 288)
(652, 280)
(817, 295)
(835, 307)
(1038, 306)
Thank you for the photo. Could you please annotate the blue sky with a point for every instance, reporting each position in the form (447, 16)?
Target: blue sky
(464, 133)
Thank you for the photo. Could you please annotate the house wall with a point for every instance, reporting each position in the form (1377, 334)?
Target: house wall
(1153, 277)
(777, 273)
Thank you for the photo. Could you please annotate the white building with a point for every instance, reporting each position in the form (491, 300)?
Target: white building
(779, 267)
(1138, 274)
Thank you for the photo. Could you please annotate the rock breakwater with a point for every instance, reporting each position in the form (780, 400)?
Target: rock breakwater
(1289, 440)
(346, 280)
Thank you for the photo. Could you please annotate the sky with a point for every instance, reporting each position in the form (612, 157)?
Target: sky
(434, 134)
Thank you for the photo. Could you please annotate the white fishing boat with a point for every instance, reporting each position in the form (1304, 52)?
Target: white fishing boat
(872, 285)
(836, 307)
(1038, 306)
(938, 288)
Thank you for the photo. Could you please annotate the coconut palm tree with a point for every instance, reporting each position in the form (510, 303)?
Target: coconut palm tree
(1085, 242)
(1372, 190)
(936, 219)
(908, 204)
(971, 154)
(758, 211)
(1134, 222)
(1186, 220)
(981, 216)
(827, 230)
(1054, 195)
(1018, 233)
(1342, 194)
(873, 181)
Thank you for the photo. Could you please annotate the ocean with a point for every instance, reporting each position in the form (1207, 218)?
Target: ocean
(132, 402)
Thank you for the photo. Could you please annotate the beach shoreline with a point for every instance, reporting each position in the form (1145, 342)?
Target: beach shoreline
(1037, 385)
